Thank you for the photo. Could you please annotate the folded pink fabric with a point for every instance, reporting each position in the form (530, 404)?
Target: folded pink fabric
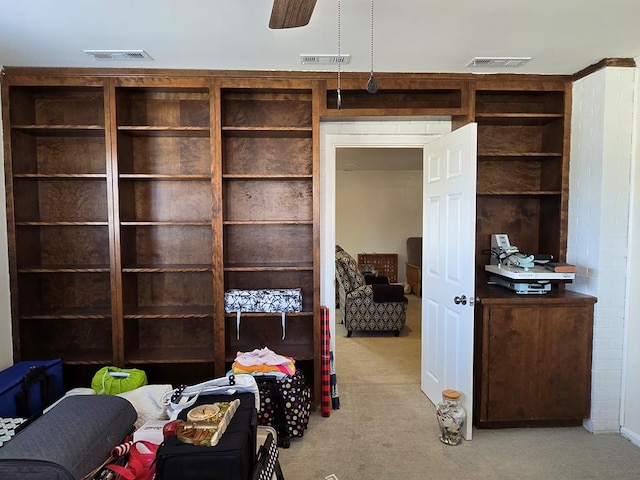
(289, 369)
(263, 361)
(262, 356)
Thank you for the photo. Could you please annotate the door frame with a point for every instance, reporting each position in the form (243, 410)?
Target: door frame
(383, 137)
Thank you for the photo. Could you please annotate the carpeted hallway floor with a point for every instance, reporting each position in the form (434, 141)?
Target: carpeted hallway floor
(386, 428)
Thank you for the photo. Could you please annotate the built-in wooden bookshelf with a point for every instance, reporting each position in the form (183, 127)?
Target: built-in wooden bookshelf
(135, 199)
(532, 352)
(268, 208)
(58, 212)
(133, 204)
(164, 218)
(522, 170)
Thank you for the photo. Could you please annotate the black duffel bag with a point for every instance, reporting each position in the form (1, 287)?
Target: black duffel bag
(233, 458)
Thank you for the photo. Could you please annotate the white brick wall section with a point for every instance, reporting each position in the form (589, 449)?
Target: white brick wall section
(601, 152)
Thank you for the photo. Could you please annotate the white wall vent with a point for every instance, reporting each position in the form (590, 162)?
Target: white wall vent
(119, 54)
(325, 59)
(497, 62)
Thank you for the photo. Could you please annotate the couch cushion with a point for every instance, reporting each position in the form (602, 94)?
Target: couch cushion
(388, 293)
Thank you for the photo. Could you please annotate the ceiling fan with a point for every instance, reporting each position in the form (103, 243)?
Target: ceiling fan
(291, 13)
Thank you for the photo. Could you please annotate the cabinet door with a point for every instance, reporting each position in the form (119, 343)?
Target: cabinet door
(538, 364)
(512, 364)
(564, 362)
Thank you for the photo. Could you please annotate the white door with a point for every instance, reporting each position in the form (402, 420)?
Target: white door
(448, 267)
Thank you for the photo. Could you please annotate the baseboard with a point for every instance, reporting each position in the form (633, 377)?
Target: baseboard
(633, 437)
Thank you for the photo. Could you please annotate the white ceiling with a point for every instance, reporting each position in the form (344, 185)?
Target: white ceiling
(562, 36)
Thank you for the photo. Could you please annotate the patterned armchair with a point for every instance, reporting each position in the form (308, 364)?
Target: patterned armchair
(368, 307)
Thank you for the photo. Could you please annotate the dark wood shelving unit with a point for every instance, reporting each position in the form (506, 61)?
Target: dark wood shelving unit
(164, 216)
(409, 97)
(533, 353)
(58, 212)
(134, 200)
(522, 168)
(269, 212)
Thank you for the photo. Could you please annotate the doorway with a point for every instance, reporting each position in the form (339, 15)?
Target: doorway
(378, 201)
(379, 134)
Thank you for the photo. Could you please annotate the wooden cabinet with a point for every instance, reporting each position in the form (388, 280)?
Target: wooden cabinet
(532, 352)
(269, 212)
(533, 359)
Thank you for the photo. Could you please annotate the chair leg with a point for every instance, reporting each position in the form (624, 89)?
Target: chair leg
(396, 333)
(349, 332)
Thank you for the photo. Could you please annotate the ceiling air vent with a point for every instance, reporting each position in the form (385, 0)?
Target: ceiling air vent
(498, 62)
(325, 59)
(119, 54)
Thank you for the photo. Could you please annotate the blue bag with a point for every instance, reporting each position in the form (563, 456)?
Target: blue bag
(29, 387)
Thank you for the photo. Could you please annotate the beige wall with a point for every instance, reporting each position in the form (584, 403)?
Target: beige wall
(376, 210)
(6, 351)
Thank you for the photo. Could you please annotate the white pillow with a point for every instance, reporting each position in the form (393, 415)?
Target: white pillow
(147, 400)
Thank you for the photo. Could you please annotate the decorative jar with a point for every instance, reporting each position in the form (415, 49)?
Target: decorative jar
(451, 417)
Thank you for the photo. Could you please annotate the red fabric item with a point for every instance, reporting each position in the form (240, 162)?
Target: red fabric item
(325, 331)
(141, 465)
(325, 386)
(325, 373)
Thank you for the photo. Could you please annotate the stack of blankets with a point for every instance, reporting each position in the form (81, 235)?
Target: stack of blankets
(263, 361)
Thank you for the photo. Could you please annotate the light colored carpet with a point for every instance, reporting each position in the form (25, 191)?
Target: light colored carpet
(386, 428)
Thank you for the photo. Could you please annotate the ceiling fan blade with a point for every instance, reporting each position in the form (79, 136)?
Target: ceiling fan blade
(291, 13)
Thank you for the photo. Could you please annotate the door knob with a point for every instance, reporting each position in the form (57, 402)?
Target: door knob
(460, 300)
